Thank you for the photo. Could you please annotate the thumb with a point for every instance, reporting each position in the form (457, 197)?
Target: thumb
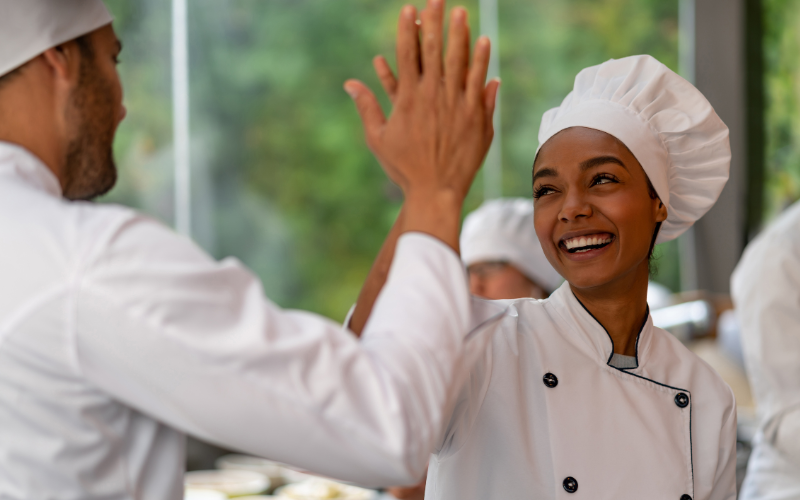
(372, 117)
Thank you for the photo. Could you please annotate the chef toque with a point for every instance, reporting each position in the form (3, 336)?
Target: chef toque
(29, 27)
(502, 231)
(668, 125)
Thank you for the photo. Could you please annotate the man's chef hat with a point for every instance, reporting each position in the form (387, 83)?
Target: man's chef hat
(502, 230)
(668, 125)
(29, 27)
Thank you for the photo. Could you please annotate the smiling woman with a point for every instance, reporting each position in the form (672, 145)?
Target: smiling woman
(597, 216)
(580, 391)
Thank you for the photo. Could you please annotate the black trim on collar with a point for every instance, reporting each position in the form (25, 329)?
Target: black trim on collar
(638, 335)
(625, 370)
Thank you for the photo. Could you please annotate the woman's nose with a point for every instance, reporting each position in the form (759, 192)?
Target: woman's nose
(574, 207)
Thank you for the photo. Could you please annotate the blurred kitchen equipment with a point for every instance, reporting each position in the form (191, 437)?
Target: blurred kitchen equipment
(686, 321)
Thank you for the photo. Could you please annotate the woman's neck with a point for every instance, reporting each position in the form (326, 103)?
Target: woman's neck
(620, 306)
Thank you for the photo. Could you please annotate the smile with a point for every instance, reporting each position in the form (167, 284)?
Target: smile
(580, 244)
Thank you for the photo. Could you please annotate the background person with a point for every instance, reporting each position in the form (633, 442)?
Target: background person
(766, 292)
(117, 336)
(503, 256)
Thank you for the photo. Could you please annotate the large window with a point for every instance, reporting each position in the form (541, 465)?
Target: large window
(280, 176)
(782, 113)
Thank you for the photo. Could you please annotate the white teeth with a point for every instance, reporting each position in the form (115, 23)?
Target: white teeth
(582, 241)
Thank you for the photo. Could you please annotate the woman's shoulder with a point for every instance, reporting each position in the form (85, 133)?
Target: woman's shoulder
(670, 360)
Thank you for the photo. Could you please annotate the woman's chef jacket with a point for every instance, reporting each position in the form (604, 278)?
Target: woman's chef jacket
(766, 291)
(118, 335)
(544, 416)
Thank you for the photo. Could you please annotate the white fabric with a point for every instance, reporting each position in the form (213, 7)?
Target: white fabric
(29, 27)
(619, 433)
(118, 335)
(668, 125)
(766, 291)
(502, 230)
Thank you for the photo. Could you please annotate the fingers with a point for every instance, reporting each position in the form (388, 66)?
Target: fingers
(368, 108)
(457, 59)
(477, 73)
(408, 45)
(432, 21)
(490, 102)
(386, 76)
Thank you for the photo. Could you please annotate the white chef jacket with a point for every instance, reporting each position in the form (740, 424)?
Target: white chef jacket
(766, 291)
(118, 335)
(543, 412)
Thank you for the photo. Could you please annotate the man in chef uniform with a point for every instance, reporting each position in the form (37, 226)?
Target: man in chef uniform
(502, 253)
(117, 336)
(766, 291)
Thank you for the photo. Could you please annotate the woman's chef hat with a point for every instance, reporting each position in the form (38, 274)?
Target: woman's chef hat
(668, 125)
(502, 230)
(29, 27)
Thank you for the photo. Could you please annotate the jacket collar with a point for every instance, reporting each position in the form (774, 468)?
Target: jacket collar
(17, 162)
(594, 334)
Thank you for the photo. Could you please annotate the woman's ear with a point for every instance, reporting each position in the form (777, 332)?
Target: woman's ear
(661, 211)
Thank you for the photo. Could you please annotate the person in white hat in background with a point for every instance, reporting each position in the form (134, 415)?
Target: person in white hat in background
(502, 253)
(766, 292)
(580, 394)
(117, 335)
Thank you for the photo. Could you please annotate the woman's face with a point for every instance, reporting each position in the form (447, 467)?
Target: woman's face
(593, 211)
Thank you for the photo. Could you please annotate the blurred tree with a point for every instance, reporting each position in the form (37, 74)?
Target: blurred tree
(281, 176)
(782, 89)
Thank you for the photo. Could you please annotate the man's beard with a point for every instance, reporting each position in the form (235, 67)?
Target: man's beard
(90, 169)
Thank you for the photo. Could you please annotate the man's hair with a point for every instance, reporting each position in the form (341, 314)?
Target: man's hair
(84, 45)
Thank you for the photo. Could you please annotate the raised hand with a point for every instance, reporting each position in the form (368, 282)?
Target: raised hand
(440, 128)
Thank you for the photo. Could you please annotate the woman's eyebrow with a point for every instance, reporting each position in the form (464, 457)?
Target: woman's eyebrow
(601, 160)
(545, 172)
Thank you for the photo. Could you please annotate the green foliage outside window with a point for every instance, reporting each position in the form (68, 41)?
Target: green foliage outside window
(782, 114)
(282, 179)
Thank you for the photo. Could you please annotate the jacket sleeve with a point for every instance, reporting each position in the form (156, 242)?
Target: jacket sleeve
(194, 343)
(766, 291)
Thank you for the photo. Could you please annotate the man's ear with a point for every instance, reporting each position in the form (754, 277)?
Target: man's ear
(64, 62)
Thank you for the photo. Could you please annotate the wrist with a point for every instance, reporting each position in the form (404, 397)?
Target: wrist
(435, 213)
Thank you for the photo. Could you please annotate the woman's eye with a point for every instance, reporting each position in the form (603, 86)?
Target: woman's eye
(603, 179)
(538, 193)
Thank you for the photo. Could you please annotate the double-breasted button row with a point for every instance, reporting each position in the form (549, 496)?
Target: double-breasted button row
(682, 400)
(550, 380)
(571, 484)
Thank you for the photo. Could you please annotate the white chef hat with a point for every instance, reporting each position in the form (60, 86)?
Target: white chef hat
(502, 230)
(668, 125)
(29, 27)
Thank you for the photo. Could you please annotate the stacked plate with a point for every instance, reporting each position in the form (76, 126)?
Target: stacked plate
(249, 478)
(231, 483)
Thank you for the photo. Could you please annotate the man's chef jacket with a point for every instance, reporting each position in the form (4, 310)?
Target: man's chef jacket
(544, 415)
(118, 335)
(766, 291)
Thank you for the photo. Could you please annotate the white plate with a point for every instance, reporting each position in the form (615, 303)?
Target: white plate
(230, 482)
(323, 489)
(196, 494)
